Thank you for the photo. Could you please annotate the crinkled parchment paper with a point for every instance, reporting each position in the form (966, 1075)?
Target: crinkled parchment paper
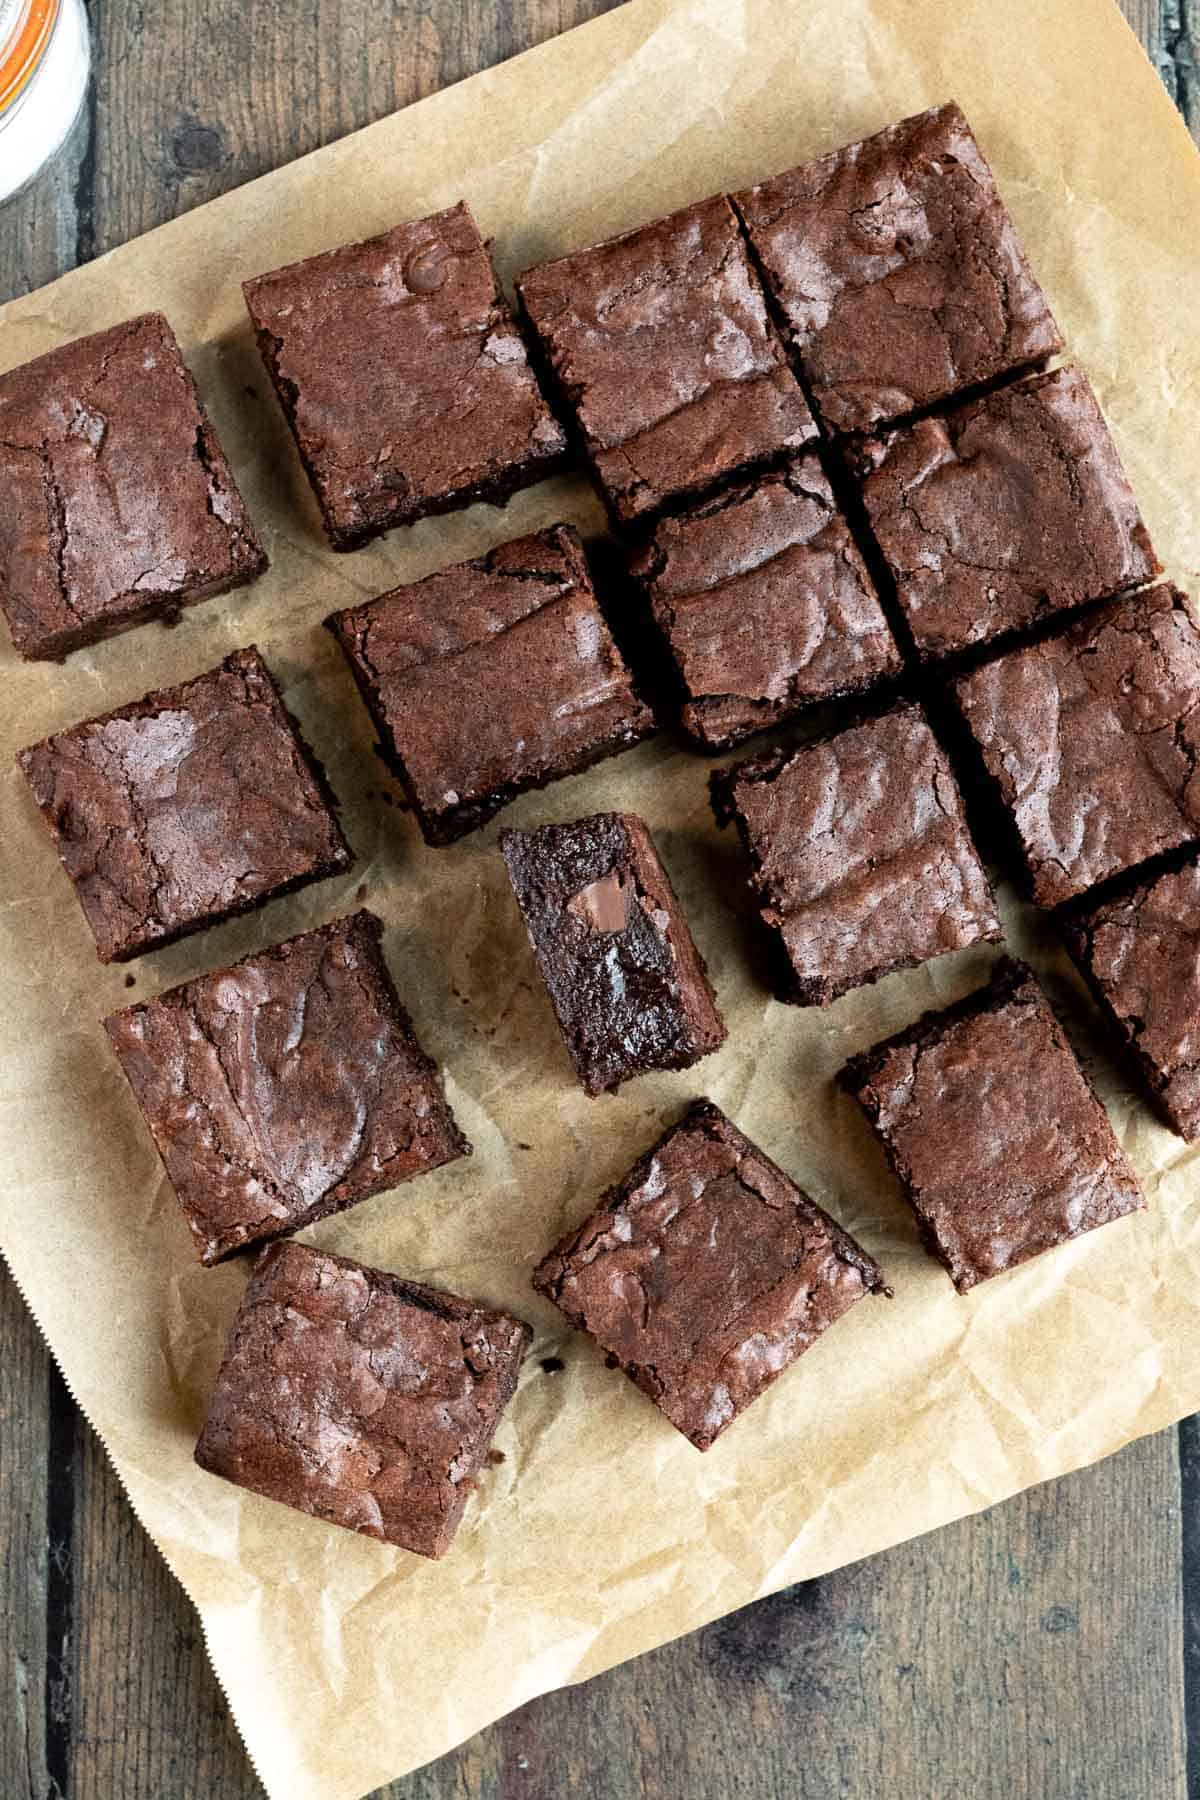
(603, 1532)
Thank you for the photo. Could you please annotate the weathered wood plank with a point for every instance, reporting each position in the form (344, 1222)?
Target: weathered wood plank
(24, 1451)
(1170, 31)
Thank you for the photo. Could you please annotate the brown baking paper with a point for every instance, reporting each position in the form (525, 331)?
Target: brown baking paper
(602, 1533)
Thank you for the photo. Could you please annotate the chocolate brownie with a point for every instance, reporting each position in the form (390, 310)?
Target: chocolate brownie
(994, 1131)
(1141, 955)
(765, 604)
(285, 1088)
(897, 270)
(706, 1273)
(360, 1398)
(491, 677)
(1004, 513)
(118, 505)
(661, 343)
(188, 807)
(859, 854)
(403, 377)
(1091, 738)
(629, 988)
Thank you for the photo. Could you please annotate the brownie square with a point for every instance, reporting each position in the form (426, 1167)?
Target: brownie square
(765, 604)
(706, 1273)
(897, 270)
(360, 1398)
(119, 505)
(1090, 740)
(490, 678)
(188, 807)
(661, 343)
(286, 1088)
(403, 377)
(993, 1129)
(629, 988)
(1140, 954)
(859, 854)
(1004, 513)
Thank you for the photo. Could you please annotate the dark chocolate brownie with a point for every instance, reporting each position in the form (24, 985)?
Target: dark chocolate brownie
(1004, 513)
(1141, 956)
(403, 377)
(706, 1273)
(190, 806)
(859, 854)
(491, 677)
(118, 503)
(285, 1088)
(360, 1398)
(1091, 740)
(765, 604)
(994, 1131)
(661, 343)
(628, 985)
(898, 272)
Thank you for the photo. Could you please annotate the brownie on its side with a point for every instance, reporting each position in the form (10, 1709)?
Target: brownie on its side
(188, 807)
(629, 988)
(1140, 954)
(899, 274)
(285, 1088)
(403, 377)
(360, 1398)
(859, 854)
(997, 516)
(1091, 741)
(491, 677)
(661, 344)
(993, 1129)
(765, 604)
(706, 1273)
(118, 504)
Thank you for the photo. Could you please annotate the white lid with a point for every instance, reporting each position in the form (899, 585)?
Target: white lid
(11, 12)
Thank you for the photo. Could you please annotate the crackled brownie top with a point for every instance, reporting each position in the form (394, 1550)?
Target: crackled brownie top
(193, 804)
(403, 376)
(492, 677)
(859, 853)
(1003, 513)
(765, 603)
(118, 504)
(661, 343)
(1091, 739)
(285, 1088)
(994, 1130)
(706, 1272)
(898, 271)
(360, 1398)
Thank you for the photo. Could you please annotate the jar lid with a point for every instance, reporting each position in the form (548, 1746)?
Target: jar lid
(25, 26)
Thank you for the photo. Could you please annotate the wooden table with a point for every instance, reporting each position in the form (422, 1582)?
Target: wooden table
(1049, 1650)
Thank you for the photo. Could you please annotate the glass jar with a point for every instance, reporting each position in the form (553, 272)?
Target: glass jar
(44, 64)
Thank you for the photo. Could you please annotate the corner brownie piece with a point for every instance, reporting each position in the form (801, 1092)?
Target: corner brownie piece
(360, 1398)
(118, 501)
(993, 1129)
(898, 272)
(706, 1273)
(859, 854)
(765, 604)
(491, 677)
(1004, 513)
(1091, 741)
(188, 807)
(629, 988)
(286, 1088)
(403, 377)
(661, 343)
(1140, 954)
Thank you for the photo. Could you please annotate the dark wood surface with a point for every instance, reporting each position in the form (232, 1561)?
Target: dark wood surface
(1049, 1650)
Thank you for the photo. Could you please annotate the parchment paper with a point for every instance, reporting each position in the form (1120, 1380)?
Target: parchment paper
(603, 1532)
